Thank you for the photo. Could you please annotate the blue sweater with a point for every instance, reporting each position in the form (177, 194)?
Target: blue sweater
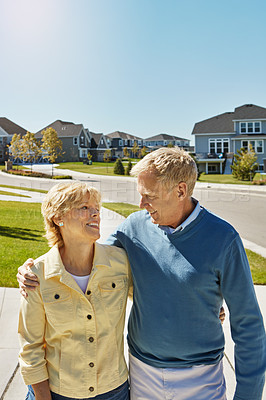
(180, 281)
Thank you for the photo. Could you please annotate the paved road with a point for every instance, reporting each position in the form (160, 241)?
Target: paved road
(243, 207)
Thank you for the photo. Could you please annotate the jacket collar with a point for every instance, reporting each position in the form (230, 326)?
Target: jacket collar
(55, 267)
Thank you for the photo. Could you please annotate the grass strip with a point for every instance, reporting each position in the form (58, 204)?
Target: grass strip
(3, 192)
(24, 188)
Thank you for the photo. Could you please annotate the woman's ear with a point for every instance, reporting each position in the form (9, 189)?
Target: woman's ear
(56, 221)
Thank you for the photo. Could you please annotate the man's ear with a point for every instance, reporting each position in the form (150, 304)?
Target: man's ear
(181, 190)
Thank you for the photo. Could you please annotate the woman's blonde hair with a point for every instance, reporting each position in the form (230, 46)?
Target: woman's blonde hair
(59, 200)
(171, 166)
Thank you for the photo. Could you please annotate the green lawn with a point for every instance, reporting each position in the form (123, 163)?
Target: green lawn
(97, 168)
(21, 237)
(217, 178)
(21, 231)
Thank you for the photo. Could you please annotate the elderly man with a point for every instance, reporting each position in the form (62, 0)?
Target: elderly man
(184, 262)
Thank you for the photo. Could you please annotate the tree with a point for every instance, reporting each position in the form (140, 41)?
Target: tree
(51, 145)
(143, 151)
(129, 166)
(15, 147)
(170, 144)
(119, 167)
(89, 157)
(135, 149)
(244, 164)
(107, 157)
(125, 152)
(30, 148)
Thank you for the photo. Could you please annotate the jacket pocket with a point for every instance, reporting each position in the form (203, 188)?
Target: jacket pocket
(114, 294)
(58, 307)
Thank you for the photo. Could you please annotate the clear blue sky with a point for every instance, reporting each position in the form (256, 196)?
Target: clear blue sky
(139, 66)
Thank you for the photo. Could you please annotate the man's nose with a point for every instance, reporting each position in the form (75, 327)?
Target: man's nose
(142, 203)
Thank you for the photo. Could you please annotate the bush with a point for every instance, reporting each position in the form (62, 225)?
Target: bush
(129, 166)
(119, 168)
(35, 174)
(244, 164)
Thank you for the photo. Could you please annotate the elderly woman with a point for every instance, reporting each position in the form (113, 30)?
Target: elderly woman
(71, 326)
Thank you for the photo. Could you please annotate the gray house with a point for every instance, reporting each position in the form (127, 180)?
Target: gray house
(7, 130)
(163, 140)
(99, 144)
(75, 139)
(119, 140)
(218, 138)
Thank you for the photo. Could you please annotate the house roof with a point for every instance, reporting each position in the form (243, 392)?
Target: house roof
(63, 128)
(96, 136)
(224, 123)
(123, 135)
(164, 136)
(10, 127)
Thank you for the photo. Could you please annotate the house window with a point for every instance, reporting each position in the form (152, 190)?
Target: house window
(101, 141)
(83, 153)
(75, 141)
(250, 127)
(257, 145)
(212, 168)
(120, 142)
(63, 128)
(1, 154)
(217, 146)
(1, 139)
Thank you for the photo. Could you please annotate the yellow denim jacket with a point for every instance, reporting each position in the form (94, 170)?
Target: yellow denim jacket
(74, 339)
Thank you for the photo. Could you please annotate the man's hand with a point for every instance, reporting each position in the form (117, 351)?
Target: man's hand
(27, 280)
(222, 315)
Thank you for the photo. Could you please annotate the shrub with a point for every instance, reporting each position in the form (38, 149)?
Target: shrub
(119, 167)
(128, 169)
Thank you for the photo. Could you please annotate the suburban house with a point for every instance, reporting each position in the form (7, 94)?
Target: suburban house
(7, 130)
(99, 144)
(163, 140)
(120, 140)
(217, 139)
(75, 139)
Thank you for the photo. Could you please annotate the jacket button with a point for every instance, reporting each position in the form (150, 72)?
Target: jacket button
(91, 339)
(89, 316)
(56, 296)
(113, 285)
(91, 364)
(88, 292)
(91, 389)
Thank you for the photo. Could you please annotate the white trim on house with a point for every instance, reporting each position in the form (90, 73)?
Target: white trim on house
(212, 161)
(250, 137)
(211, 140)
(252, 140)
(251, 119)
(216, 134)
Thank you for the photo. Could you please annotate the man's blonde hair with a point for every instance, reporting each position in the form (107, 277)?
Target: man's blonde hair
(171, 166)
(60, 199)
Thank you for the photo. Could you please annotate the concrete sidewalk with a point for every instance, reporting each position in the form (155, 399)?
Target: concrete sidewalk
(11, 384)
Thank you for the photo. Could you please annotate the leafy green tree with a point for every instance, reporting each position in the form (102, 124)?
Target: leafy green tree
(30, 148)
(89, 156)
(244, 164)
(129, 166)
(15, 148)
(170, 144)
(51, 145)
(119, 167)
(107, 157)
(135, 149)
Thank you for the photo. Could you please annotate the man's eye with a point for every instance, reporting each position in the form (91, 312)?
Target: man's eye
(84, 208)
